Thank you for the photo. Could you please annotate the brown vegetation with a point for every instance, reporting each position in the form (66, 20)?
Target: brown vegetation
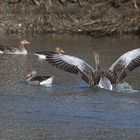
(93, 17)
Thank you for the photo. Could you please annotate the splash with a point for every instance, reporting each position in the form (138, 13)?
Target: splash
(124, 87)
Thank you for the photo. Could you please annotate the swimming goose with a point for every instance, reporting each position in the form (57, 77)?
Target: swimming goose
(12, 50)
(104, 79)
(41, 55)
(39, 80)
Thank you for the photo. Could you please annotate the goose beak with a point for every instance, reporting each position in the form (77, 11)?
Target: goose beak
(27, 42)
(28, 75)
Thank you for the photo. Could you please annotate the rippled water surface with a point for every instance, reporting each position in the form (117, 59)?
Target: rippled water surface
(69, 109)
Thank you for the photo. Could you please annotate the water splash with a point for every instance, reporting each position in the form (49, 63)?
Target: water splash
(124, 87)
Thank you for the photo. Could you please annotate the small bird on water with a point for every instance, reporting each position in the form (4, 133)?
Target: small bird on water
(34, 79)
(13, 50)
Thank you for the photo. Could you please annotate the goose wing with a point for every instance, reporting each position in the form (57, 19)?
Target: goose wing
(72, 64)
(126, 63)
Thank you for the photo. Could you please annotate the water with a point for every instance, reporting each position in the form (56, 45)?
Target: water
(69, 109)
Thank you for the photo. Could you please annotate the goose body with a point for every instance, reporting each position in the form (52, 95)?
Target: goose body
(13, 50)
(105, 83)
(39, 80)
(103, 78)
(42, 55)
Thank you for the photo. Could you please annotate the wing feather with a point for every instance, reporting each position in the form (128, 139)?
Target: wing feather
(71, 64)
(126, 63)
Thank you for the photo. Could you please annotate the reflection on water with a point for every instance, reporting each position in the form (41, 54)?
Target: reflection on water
(69, 109)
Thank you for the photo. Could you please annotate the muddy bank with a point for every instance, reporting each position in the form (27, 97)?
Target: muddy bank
(92, 17)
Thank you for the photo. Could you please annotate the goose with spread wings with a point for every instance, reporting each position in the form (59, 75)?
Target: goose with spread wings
(103, 78)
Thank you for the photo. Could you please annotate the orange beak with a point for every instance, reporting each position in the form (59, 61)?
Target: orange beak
(27, 42)
(28, 75)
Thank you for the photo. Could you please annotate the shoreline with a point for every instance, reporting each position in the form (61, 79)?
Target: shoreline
(94, 18)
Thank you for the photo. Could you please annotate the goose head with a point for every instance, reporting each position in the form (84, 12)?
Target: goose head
(59, 50)
(24, 42)
(31, 75)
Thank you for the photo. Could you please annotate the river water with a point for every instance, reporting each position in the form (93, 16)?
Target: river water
(69, 109)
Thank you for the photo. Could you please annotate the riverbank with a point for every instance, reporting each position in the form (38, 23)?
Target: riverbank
(96, 18)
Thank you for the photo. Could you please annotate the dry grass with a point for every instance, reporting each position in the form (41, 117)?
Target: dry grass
(93, 17)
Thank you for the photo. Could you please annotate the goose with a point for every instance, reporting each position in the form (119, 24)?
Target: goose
(33, 79)
(12, 50)
(41, 55)
(115, 74)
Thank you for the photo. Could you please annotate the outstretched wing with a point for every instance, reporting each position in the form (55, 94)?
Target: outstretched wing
(72, 64)
(126, 63)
